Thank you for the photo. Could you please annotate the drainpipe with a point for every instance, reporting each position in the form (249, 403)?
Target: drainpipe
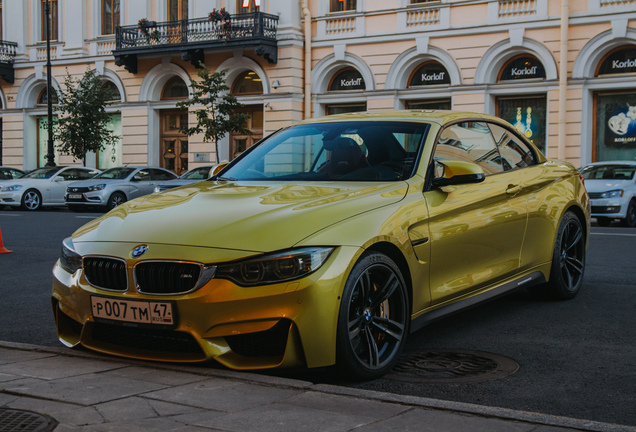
(307, 26)
(563, 78)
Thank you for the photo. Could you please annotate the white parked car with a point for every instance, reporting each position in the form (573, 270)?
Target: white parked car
(612, 190)
(115, 186)
(8, 173)
(42, 187)
(192, 176)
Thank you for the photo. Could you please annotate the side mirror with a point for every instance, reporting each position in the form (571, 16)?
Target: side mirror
(449, 172)
(136, 178)
(58, 179)
(217, 169)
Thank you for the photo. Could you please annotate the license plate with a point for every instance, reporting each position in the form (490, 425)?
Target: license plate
(75, 196)
(133, 311)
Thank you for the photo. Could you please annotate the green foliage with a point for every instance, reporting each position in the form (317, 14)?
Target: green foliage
(216, 115)
(82, 123)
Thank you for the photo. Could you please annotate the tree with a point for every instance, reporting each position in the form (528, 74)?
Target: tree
(82, 125)
(217, 115)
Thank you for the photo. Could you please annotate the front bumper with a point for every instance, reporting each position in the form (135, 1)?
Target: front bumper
(11, 198)
(611, 208)
(282, 325)
(96, 198)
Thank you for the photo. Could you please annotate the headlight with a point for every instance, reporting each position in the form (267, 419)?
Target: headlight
(612, 194)
(275, 268)
(96, 187)
(12, 188)
(70, 260)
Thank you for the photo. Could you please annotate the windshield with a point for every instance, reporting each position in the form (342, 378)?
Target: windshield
(42, 173)
(197, 174)
(115, 173)
(341, 151)
(608, 172)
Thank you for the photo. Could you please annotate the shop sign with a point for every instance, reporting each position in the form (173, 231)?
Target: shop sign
(619, 121)
(431, 73)
(621, 61)
(522, 68)
(348, 79)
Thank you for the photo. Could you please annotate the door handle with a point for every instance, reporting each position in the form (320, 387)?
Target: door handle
(513, 190)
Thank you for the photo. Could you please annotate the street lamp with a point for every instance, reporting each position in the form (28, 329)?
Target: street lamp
(50, 156)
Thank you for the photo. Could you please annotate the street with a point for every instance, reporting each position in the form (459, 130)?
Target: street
(576, 358)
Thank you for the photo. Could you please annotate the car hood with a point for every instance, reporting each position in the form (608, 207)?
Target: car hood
(91, 182)
(249, 216)
(607, 185)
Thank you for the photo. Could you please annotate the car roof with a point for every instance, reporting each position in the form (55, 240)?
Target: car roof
(617, 162)
(428, 116)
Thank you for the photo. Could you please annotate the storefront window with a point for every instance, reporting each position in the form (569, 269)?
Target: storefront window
(43, 141)
(430, 73)
(620, 61)
(111, 156)
(521, 68)
(616, 126)
(347, 79)
(528, 115)
(342, 5)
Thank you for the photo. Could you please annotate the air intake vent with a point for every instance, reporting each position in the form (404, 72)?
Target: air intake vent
(106, 273)
(165, 277)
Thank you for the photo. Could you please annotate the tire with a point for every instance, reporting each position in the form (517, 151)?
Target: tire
(31, 200)
(568, 259)
(630, 218)
(373, 320)
(603, 221)
(116, 199)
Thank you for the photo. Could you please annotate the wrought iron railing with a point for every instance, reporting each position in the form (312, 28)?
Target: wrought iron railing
(8, 51)
(198, 30)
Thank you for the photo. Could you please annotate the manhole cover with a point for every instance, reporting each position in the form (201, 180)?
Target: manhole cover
(452, 367)
(13, 420)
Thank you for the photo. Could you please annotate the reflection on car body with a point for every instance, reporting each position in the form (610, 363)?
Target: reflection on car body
(328, 243)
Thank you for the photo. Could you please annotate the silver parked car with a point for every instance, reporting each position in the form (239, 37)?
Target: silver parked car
(42, 187)
(192, 176)
(115, 186)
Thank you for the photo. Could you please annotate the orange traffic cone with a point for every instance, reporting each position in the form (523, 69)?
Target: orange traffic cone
(2, 248)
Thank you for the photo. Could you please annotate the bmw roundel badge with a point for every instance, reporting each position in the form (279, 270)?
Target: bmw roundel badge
(139, 251)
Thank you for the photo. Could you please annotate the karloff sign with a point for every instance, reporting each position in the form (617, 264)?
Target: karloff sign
(620, 61)
(526, 67)
(347, 79)
(431, 73)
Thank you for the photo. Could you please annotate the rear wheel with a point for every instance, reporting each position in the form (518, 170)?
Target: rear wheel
(115, 199)
(603, 221)
(630, 218)
(31, 200)
(374, 318)
(568, 261)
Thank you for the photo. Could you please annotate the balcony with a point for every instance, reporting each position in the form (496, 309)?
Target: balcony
(193, 37)
(8, 51)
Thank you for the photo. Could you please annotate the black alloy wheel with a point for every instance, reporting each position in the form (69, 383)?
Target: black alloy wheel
(568, 262)
(374, 318)
(630, 217)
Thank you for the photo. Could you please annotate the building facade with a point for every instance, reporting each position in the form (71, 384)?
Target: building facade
(562, 71)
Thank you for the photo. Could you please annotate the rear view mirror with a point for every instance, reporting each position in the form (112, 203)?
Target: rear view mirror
(448, 173)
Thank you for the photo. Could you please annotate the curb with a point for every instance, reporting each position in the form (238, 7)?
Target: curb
(282, 382)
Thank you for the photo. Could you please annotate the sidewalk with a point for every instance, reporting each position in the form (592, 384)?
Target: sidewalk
(86, 392)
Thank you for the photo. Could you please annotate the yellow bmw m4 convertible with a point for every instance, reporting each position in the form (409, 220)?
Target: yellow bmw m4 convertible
(327, 243)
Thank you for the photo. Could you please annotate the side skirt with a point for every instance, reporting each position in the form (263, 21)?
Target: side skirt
(534, 278)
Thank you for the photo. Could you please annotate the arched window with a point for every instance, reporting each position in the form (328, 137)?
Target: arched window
(347, 79)
(521, 68)
(175, 88)
(618, 61)
(113, 91)
(43, 100)
(247, 83)
(429, 73)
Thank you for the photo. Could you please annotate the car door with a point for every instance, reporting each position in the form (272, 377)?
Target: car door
(64, 178)
(141, 184)
(476, 230)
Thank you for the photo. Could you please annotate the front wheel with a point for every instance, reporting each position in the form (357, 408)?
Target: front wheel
(374, 318)
(115, 200)
(568, 261)
(630, 217)
(31, 200)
